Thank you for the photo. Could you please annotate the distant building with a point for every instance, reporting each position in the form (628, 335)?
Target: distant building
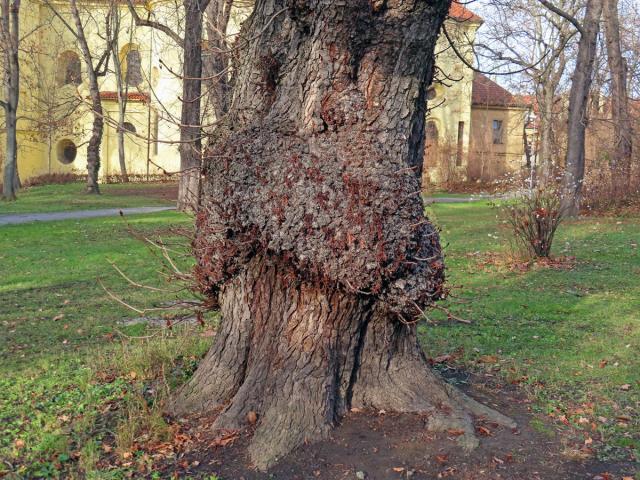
(475, 127)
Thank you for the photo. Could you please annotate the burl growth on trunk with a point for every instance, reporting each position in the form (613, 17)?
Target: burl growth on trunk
(312, 238)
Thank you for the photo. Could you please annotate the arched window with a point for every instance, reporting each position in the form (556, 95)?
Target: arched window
(69, 69)
(131, 65)
(130, 127)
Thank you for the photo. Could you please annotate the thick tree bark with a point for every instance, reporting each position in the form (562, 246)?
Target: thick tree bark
(95, 141)
(10, 37)
(621, 160)
(311, 235)
(190, 130)
(577, 121)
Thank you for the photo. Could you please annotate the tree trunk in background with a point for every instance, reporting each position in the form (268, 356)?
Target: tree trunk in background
(10, 37)
(577, 121)
(190, 130)
(621, 161)
(216, 59)
(549, 86)
(546, 132)
(121, 86)
(95, 141)
(311, 233)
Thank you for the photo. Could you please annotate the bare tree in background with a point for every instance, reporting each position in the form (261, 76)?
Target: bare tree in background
(122, 85)
(527, 35)
(191, 133)
(588, 29)
(96, 66)
(216, 56)
(621, 160)
(10, 38)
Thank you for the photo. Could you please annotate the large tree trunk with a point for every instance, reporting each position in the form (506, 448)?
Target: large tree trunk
(311, 235)
(577, 121)
(10, 36)
(621, 160)
(190, 130)
(95, 141)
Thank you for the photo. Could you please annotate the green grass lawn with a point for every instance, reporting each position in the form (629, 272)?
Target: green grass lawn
(570, 336)
(71, 196)
(75, 386)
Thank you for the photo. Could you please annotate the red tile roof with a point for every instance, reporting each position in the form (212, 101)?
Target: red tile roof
(488, 93)
(459, 12)
(131, 96)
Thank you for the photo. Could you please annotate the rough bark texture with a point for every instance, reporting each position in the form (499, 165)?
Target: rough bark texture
(577, 120)
(311, 232)
(621, 161)
(97, 128)
(190, 131)
(10, 37)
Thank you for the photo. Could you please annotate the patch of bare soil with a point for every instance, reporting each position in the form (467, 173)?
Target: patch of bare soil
(163, 191)
(389, 446)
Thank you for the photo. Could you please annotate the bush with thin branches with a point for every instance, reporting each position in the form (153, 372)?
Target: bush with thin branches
(534, 217)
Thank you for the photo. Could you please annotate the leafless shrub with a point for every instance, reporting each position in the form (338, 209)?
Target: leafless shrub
(534, 217)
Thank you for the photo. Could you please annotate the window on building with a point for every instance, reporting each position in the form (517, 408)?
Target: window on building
(131, 65)
(130, 127)
(497, 132)
(69, 69)
(66, 151)
(460, 144)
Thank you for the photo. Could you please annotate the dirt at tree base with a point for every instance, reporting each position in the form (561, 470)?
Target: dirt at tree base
(391, 446)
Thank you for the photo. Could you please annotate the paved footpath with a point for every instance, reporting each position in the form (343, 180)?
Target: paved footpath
(76, 215)
(14, 219)
(458, 199)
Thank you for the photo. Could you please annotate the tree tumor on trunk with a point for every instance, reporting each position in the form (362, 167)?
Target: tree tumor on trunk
(311, 235)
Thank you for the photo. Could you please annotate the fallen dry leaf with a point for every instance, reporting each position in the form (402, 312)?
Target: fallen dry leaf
(488, 359)
(252, 417)
(225, 440)
(442, 358)
(442, 458)
(625, 387)
(484, 431)
(455, 433)
(447, 472)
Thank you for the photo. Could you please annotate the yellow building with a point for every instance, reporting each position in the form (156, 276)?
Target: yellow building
(55, 122)
(474, 128)
(54, 117)
(497, 132)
